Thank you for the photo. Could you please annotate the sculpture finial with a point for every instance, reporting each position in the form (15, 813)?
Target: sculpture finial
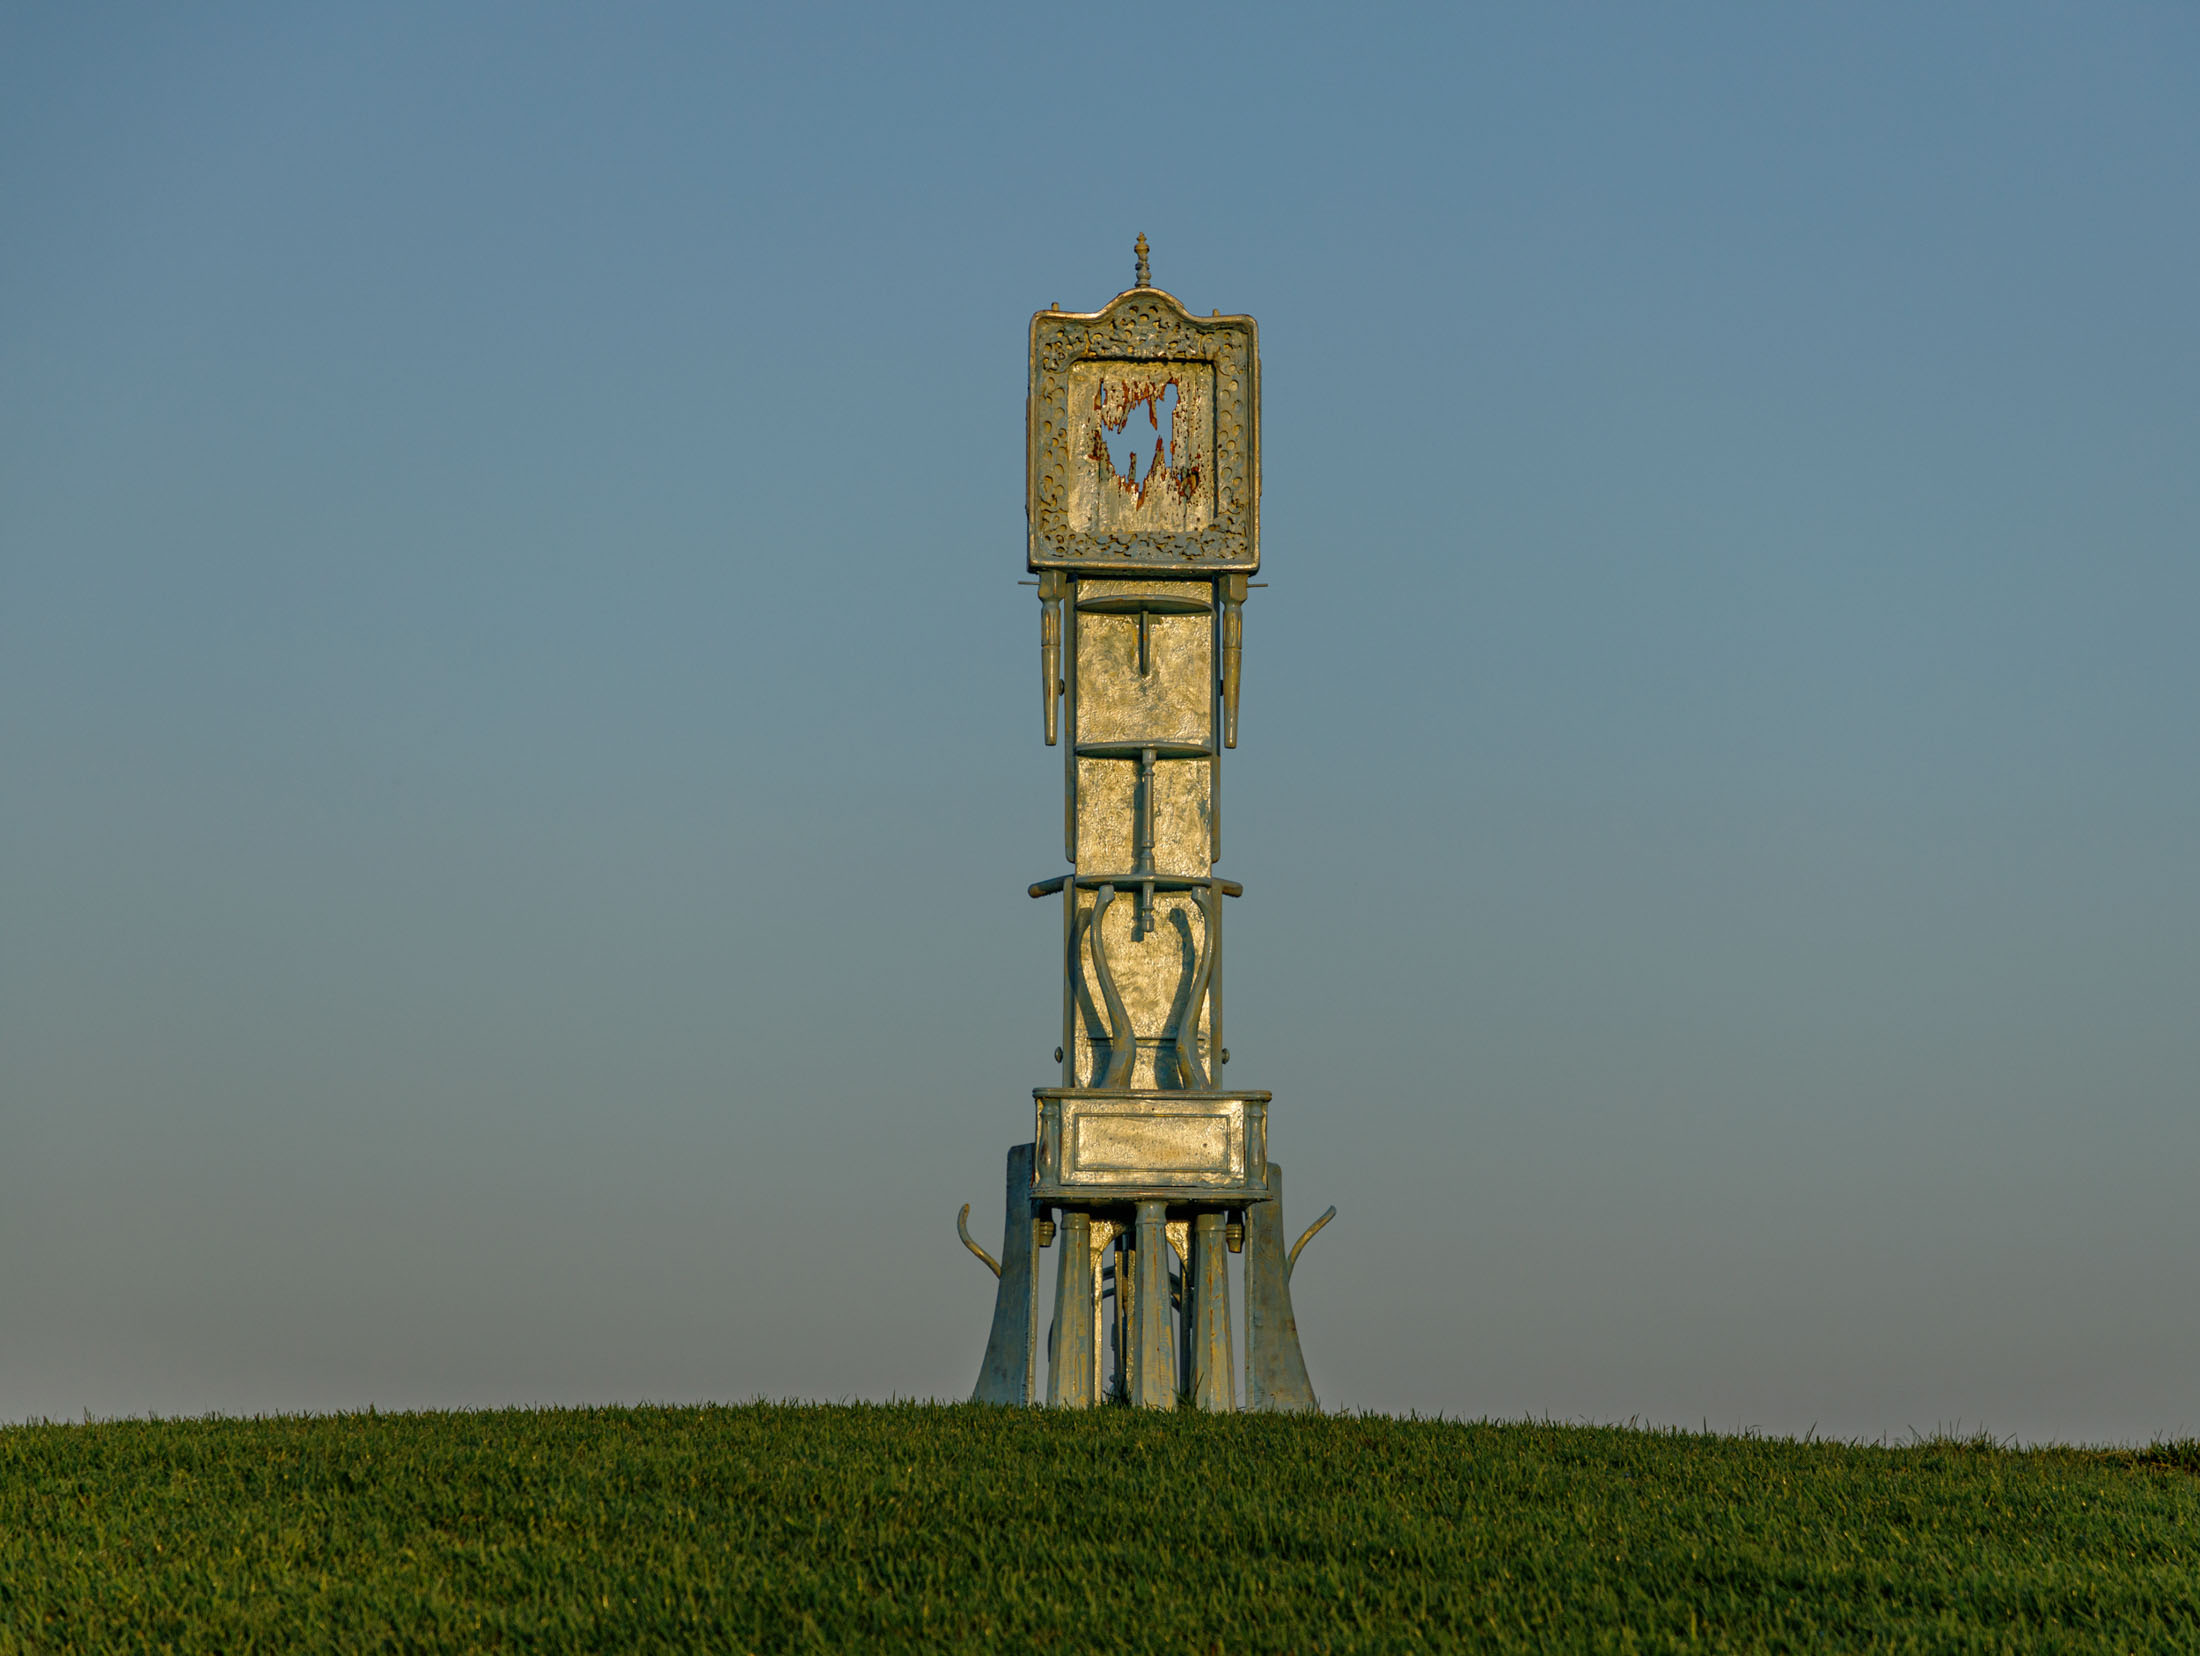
(1145, 274)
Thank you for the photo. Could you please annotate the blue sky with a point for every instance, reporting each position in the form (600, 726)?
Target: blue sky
(521, 774)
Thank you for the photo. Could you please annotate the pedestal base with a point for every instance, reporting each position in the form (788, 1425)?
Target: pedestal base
(1173, 1335)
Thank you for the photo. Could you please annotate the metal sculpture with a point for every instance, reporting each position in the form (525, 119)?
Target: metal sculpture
(1145, 1172)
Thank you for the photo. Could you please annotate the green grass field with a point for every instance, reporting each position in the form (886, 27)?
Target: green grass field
(913, 1527)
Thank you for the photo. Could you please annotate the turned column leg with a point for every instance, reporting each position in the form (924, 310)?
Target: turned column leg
(1152, 1353)
(1207, 1313)
(1073, 1369)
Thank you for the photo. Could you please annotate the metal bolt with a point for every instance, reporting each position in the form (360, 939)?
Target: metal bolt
(1058, 1055)
(1225, 1055)
(1045, 1231)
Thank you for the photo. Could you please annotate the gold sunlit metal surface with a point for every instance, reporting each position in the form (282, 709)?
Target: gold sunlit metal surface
(1143, 441)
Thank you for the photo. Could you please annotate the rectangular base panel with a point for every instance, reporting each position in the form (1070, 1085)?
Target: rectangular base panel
(1123, 1146)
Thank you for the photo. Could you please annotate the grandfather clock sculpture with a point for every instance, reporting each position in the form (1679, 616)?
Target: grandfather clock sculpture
(1146, 1172)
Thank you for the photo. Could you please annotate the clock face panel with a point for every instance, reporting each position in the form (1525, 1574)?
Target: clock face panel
(1142, 446)
(1144, 440)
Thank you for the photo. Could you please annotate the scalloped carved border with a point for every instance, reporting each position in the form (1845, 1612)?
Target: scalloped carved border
(1146, 324)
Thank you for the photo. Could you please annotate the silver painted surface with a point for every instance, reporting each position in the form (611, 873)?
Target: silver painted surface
(1134, 817)
(1144, 452)
(962, 1229)
(1291, 1260)
(1119, 1145)
(1091, 370)
(1005, 1376)
(1073, 1363)
(1152, 1358)
(1275, 1369)
(1212, 1384)
(1168, 484)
